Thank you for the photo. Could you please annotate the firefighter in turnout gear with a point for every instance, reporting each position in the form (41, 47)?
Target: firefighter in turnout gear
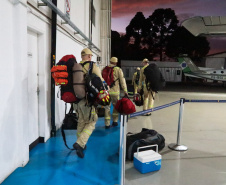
(87, 116)
(148, 95)
(115, 92)
(135, 80)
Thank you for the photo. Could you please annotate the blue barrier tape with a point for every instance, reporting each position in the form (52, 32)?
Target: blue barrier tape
(207, 101)
(153, 109)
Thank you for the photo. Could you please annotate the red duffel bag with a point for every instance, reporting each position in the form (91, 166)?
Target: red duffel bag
(125, 106)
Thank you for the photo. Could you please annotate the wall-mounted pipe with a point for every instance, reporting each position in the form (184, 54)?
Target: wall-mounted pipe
(52, 63)
(69, 22)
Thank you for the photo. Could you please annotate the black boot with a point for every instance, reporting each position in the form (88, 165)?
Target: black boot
(107, 127)
(79, 150)
(114, 124)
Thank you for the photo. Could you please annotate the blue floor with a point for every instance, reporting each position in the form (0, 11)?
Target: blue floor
(51, 163)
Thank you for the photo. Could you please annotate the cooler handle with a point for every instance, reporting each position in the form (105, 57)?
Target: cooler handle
(147, 147)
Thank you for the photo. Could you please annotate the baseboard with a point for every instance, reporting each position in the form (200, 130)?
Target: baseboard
(37, 141)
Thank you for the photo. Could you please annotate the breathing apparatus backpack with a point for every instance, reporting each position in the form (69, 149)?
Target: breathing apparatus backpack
(154, 79)
(108, 76)
(62, 73)
(96, 90)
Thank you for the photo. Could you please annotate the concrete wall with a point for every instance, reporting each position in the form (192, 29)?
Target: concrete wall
(18, 17)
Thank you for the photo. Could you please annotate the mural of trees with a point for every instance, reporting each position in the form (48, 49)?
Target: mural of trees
(156, 35)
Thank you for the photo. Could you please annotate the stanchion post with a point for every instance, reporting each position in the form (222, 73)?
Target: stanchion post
(122, 151)
(177, 146)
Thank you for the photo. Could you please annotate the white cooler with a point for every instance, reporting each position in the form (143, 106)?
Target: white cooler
(147, 161)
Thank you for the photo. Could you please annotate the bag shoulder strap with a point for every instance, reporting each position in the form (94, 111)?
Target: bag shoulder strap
(62, 127)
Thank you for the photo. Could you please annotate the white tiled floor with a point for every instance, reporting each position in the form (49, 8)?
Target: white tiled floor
(203, 132)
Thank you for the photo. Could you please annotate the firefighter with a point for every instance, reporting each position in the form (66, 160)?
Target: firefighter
(148, 95)
(115, 92)
(87, 116)
(135, 80)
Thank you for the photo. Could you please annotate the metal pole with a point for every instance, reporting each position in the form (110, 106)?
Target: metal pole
(178, 146)
(122, 151)
(124, 144)
(52, 63)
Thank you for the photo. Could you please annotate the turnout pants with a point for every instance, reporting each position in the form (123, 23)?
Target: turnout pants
(148, 99)
(135, 86)
(114, 99)
(87, 118)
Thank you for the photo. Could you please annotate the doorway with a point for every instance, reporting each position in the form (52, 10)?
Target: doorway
(33, 88)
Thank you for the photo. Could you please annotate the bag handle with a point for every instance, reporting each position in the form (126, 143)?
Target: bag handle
(126, 96)
(147, 147)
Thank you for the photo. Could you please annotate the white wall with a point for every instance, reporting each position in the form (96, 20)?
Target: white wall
(13, 97)
(96, 28)
(216, 63)
(17, 18)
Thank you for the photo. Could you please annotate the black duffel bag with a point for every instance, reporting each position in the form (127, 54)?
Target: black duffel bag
(144, 138)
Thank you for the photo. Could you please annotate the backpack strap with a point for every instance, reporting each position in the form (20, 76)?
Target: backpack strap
(83, 64)
(113, 83)
(149, 89)
(90, 68)
(62, 128)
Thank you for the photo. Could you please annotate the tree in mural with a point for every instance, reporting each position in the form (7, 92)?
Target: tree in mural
(139, 43)
(163, 22)
(183, 42)
(155, 35)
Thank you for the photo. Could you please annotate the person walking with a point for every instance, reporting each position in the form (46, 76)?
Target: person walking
(87, 116)
(114, 91)
(135, 80)
(148, 94)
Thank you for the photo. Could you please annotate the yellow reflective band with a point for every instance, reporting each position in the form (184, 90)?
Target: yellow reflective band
(107, 118)
(115, 114)
(113, 92)
(79, 133)
(87, 131)
(103, 100)
(93, 112)
(107, 100)
(101, 91)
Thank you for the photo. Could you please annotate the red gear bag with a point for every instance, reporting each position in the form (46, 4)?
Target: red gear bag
(125, 106)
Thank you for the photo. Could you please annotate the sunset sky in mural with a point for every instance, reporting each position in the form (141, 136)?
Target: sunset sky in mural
(124, 10)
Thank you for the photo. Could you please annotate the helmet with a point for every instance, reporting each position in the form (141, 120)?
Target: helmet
(103, 98)
(138, 99)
